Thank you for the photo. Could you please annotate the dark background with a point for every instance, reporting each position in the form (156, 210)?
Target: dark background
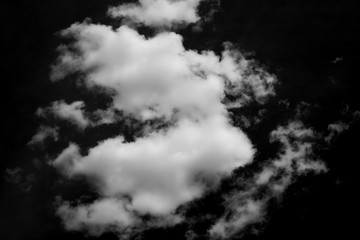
(296, 40)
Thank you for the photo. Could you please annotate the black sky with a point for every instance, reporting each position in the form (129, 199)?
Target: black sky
(298, 41)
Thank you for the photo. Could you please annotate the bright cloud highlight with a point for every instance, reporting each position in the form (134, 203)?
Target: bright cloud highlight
(159, 13)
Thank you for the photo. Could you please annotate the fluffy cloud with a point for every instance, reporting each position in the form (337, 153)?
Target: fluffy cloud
(146, 73)
(158, 13)
(157, 79)
(98, 217)
(159, 172)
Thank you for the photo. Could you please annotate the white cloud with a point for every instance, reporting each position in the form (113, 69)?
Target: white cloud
(296, 158)
(335, 129)
(97, 217)
(158, 79)
(145, 73)
(107, 116)
(264, 176)
(43, 133)
(73, 112)
(297, 151)
(243, 214)
(158, 13)
(159, 171)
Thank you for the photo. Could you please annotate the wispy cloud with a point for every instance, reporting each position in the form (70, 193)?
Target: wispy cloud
(20, 178)
(73, 112)
(43, 133)
(156, 79)
(248, 206)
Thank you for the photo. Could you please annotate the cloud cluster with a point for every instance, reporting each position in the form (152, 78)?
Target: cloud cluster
(158, 13)
(160, 172)
(147, 73)
(155, 78)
